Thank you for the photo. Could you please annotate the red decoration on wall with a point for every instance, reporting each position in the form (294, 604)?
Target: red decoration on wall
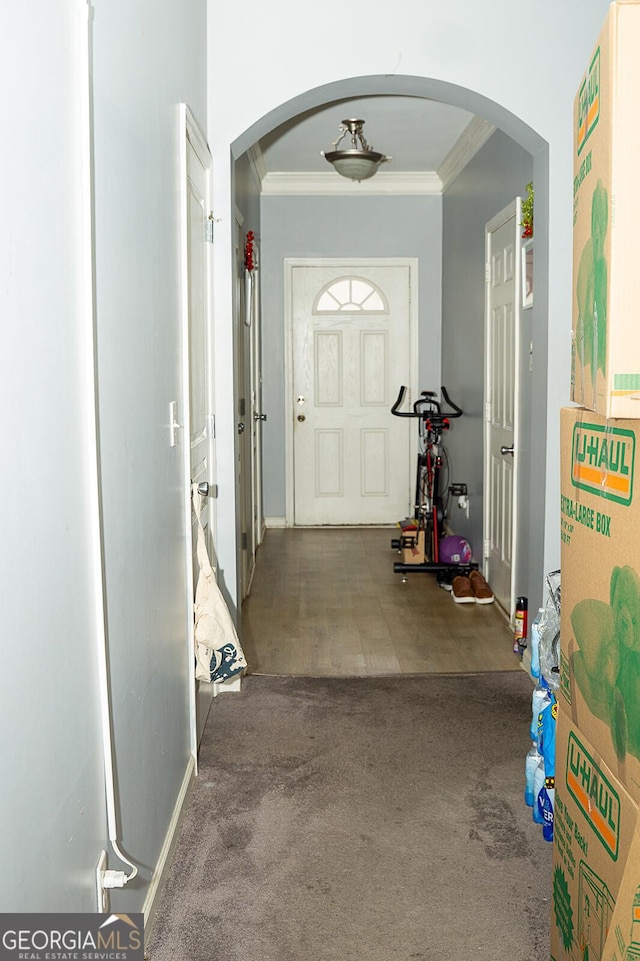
(248, 251)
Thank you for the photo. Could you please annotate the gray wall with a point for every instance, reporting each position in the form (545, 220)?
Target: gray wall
(247, 193)
(340, 227)
(147, 58)
(497, 174)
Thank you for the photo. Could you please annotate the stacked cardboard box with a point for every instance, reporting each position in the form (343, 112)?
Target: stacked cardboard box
(606, 200)
(595, 872)
(596, 858)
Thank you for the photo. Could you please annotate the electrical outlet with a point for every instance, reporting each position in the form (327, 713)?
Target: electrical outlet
(101, 892)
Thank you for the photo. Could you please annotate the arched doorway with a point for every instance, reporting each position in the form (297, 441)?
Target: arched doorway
(510, 132)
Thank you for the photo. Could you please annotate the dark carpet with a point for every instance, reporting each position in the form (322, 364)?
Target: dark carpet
(365, 818)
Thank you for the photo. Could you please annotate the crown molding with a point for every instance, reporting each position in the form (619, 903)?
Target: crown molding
(473, 137)
(384, 183)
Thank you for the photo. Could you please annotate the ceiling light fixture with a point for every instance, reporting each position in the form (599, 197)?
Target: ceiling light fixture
(358, 162)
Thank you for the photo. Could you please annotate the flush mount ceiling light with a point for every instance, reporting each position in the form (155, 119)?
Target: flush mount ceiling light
(358, 162)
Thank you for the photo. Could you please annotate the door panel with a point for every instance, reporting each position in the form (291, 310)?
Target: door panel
(351, 342)
(501, 393)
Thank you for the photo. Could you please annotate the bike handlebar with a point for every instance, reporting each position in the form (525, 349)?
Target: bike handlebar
(426, 398)
(457, 411)
(399, 402)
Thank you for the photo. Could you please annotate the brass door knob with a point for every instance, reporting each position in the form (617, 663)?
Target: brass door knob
(301, 417)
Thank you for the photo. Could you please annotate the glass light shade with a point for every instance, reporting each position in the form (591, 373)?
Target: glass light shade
(355, 164)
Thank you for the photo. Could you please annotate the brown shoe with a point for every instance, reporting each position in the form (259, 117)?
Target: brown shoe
(461, 590)
(481, 590)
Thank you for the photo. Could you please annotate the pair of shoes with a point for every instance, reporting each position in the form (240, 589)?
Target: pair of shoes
(462, 591)
(472, 589)
(482, 591)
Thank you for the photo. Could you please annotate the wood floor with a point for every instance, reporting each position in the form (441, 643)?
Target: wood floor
(325, 602)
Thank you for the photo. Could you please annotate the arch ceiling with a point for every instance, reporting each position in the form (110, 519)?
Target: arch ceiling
(416, 120)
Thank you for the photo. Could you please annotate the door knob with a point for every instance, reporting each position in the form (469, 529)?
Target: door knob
(506, 450)
(203, 488)
(259, 416)
(241, 428)
(301, 417)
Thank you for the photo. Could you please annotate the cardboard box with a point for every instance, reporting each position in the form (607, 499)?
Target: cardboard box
(414, 552)
(623, 943)
(600, 610)
(594, 868)
(606, 209)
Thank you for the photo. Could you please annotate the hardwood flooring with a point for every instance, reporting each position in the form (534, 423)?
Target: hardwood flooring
(326, 602)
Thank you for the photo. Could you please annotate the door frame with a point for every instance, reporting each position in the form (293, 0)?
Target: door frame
(245, 375)
(412, 387)
(256, 401)
(514, 209)
(190, 133)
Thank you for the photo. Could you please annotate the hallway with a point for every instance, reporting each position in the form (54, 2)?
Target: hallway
(326, 602)
(372, 808)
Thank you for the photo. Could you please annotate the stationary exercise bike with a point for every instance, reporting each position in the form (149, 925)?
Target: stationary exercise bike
(421, 535)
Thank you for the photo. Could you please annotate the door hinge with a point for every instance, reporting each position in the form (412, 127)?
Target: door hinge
(243, 541)
(487, 273)
(486, 550)
(487, 412)
(208, 228)
(211, 426)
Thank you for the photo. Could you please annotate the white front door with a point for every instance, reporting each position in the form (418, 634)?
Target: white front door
(352, 349)
(501, 395)
(198, 370)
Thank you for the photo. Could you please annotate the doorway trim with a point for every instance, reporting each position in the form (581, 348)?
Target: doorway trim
(289, 264)
(511, 211)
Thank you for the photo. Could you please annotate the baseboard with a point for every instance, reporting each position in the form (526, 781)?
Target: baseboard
(275, 522)
(166, 854)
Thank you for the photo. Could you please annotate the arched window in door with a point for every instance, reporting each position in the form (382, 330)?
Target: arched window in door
(351, 295)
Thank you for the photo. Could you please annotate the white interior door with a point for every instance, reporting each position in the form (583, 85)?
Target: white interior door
(198, 370)
(501, 402)
(352, 341)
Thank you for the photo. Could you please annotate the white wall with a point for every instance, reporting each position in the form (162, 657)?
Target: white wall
(148, 56)
(526, 58)
(52, 803)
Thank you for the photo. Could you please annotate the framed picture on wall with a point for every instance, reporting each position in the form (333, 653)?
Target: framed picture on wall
(527, 274)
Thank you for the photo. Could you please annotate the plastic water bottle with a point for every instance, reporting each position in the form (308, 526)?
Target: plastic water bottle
(539, 699)
(535, 643)
(538, 784)
(531, 762)
(545, 805)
